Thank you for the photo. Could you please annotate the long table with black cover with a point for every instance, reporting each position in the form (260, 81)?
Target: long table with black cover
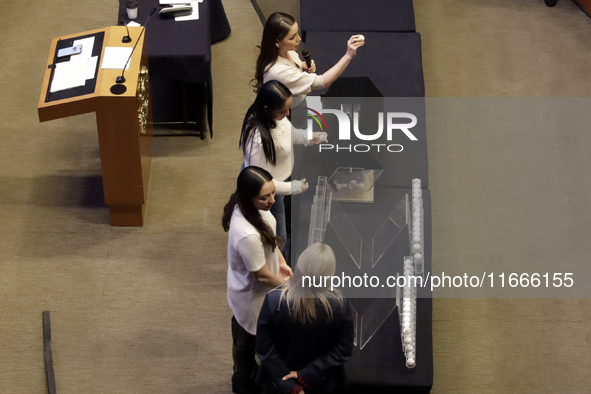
(355, 15)
(392, 62)
(179, 55)
(380, 366)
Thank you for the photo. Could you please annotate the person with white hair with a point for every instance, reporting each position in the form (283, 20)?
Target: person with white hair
(305, 330)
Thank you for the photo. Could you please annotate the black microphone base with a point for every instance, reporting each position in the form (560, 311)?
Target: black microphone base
(126, 39)
(118, 89)
(120, 79)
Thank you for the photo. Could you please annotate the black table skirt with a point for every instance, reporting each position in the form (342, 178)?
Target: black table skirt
(393, 61)
(180, 52)
(355, 15)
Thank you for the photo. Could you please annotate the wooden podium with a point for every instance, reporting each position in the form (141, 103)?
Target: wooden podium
(124, 120)
(585, 5)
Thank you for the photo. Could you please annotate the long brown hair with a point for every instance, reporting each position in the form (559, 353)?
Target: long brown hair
(276, 28)
(271, 96)
(249, 184)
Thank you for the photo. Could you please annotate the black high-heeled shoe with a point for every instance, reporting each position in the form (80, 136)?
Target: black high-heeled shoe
(246, 385)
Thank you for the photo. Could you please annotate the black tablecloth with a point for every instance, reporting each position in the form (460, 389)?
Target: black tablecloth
(218, 21)
(380, 366)
(176, 50)
(355, 15)
(179, 52)
(393, 61)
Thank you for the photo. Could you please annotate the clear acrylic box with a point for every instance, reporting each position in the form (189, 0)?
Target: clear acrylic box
(319, 213)
(326, 211)
(353, 184)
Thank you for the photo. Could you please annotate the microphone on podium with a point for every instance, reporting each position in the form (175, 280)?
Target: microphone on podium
(119, 88)
(126, 38)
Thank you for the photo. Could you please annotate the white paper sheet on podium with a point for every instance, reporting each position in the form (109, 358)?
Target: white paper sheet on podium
(68, 75)
(91, 67)
(116, 57)
(87, 46)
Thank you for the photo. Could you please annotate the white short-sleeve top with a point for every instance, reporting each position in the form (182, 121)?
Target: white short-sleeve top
(247, 254)
(291, 74)
(283, 137)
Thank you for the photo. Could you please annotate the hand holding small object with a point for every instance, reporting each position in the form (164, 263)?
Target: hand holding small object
(354, 43)
(317, 137)
(305, 185)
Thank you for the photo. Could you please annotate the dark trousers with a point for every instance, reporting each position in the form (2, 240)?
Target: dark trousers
(243, 351)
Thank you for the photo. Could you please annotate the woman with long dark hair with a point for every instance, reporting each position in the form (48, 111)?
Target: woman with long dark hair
(305, 331)
(266, 141)
(279, 61)
(255, 266)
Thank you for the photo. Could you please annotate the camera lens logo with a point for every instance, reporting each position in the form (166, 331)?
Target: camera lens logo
(316, 115)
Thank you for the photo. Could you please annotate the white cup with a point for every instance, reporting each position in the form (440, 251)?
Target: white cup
(131, 7)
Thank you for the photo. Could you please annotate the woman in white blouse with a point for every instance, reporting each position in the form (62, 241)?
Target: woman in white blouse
(266, 141)
(279, 61)
(255, 266)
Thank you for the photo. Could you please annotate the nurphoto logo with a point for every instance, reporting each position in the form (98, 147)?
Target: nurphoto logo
(393, 125)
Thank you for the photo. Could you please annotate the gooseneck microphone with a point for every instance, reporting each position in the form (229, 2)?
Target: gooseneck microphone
(120, 89)
(307, 58)
(126, 38)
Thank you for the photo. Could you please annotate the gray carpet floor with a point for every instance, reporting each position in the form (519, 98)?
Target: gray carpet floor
(143, 310)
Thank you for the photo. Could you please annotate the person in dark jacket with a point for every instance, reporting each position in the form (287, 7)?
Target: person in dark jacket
(304, 332)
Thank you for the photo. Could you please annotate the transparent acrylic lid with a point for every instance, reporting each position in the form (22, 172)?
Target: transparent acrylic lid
(346, 231)
(376, 315)
(390, 229)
